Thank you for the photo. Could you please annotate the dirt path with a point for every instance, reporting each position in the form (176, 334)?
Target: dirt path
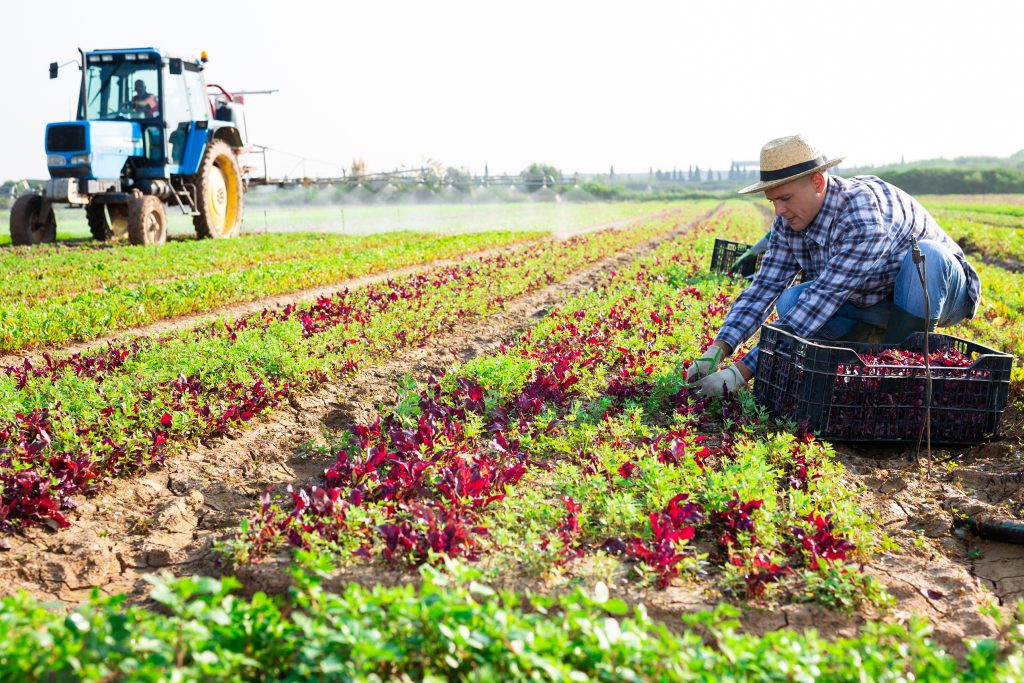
(169, 517)
(917, 503)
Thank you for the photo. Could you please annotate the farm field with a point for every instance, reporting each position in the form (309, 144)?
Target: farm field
(480, 464)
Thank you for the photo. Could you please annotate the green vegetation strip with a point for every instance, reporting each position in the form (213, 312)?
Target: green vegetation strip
(991, 243)
(1014, 210)
(59, 272)
(90, 314)
(454, 628)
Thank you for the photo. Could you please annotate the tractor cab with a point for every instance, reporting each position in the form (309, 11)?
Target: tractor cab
(163, 99)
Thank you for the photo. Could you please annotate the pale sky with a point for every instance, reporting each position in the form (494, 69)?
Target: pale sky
(580, 85)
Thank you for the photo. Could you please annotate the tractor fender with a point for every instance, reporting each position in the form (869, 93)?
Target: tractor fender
(198, 137)
(226, 131)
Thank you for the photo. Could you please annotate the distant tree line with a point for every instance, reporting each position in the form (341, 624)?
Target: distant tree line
(962, 175)
(955, 180)
(695, 175)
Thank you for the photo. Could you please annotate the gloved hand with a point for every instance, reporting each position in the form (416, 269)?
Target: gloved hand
(738, 262)
(706, 364)
(716, 384)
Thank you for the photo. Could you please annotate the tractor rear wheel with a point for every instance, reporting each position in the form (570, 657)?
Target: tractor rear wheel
(147, 220)
(219, 189)
(107, 221)
(32, 221)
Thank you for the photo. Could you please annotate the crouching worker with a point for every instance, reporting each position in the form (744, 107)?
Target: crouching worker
(852, 239)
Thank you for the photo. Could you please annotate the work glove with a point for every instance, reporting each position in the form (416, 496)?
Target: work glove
(738, 262)
(718, 383)
(706, 364)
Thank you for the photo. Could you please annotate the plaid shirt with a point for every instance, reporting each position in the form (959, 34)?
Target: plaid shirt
(852, 250)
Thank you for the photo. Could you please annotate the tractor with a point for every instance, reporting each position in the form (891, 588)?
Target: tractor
(148, 134)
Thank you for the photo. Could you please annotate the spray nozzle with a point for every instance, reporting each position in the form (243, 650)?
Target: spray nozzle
(915, 251)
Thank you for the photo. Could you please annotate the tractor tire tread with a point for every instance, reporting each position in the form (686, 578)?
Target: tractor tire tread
(24, 213)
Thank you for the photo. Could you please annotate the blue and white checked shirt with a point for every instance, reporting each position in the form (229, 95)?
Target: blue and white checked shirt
(852, 251)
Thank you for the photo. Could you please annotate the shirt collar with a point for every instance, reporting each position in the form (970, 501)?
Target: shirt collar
(818, 230)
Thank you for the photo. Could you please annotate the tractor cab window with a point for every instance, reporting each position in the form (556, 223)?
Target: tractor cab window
(176, 114)
(198, 101)
(121, 89)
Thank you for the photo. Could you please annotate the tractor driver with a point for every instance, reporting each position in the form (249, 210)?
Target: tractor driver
(143, 101)
(852, 239)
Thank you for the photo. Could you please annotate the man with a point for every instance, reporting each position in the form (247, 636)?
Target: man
(852, 239)
(143, 101)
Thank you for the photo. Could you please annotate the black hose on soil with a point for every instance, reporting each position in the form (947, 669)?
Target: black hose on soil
(1003, 530)
(984, 520)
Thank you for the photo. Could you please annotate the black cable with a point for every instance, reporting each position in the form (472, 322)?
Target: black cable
(921, 267)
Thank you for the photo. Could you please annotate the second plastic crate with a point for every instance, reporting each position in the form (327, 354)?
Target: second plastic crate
(830, 387)
(725, 254)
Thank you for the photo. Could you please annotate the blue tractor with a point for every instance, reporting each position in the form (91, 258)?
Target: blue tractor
(147, 135)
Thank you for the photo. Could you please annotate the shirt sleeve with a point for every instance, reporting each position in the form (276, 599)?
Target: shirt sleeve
(752, 306)
(858, 243)
(762, 244)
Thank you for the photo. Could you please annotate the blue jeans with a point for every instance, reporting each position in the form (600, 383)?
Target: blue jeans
(949, 298)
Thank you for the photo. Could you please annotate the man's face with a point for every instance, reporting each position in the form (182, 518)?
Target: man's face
(799, 201)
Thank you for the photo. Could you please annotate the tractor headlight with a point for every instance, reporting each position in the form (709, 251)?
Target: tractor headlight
(55, 160)
(81, 159)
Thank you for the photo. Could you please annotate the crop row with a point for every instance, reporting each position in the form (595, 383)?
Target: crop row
(90, 314)
(1009, 215)
(454, 627)
(977, 235)
(580, 439)
(69, 423)
(45, 271)
(62, 272)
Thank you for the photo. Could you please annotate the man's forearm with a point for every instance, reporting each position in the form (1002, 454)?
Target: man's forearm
(725, 346)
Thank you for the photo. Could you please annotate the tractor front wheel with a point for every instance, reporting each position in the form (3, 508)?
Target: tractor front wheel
(147, 220)
(219, 189)
(32, 221)
(107, 221)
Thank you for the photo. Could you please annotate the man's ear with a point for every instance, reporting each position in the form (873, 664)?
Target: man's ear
(818, 181)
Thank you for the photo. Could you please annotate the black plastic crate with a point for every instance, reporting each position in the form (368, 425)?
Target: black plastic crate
(828, 386)
(726, 253)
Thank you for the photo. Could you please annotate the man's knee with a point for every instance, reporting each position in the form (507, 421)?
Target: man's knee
(938, 261)
(787, 300)
(937, 257)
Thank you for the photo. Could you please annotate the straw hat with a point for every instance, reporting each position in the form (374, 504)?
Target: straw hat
(786, 159)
